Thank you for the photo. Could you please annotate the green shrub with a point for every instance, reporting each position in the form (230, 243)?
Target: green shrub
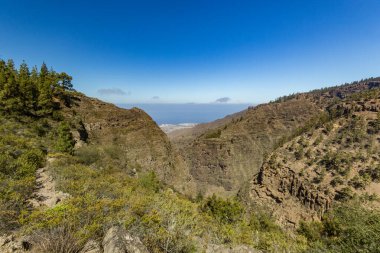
(346, 228)
(337, 162)
(337, 180)
(41, 128)
(299, 153)
(373, 173)
(56, 240)
(87, 155)
(360, 182)
(150, 181)
(213, 134)
(312, 231)
(114, 151)
(65, 142)
(32, 159)
(318, 140)
(344, 194)
(226, 211)
(262, 221)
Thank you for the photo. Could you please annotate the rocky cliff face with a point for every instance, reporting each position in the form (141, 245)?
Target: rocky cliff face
(289, 196)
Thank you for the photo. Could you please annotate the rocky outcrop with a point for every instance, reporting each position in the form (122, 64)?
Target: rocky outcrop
(281, 183)
(118, 240)
(13, 244)
(91, 247)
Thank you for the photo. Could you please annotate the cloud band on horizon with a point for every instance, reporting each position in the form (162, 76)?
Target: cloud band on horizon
(223, 100)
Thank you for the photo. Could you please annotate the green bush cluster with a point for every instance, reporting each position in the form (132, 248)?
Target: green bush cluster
(347, 228)
(360, 182)
(213, 134)
(339, 162)
(226, 211)
(87, 155)
(20, 157)
(65, 142)
(372, 172)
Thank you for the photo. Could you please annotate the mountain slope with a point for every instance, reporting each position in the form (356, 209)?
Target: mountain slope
(134, 138)
(332, 160)
(222, 159)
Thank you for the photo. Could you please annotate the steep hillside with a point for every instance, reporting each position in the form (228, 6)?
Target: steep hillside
(222, 159)
(334, 158)
(134, 138)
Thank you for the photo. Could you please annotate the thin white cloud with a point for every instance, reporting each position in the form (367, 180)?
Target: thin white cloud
(223, 100)
(113, 91)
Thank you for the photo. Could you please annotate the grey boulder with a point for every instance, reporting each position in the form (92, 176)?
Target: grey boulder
(118, 240)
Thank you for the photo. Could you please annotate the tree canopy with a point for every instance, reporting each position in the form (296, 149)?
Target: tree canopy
(35, 92)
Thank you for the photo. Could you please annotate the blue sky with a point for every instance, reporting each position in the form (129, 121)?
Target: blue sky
(196, 51)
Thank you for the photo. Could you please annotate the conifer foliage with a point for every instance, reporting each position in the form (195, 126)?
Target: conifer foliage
(34, 92)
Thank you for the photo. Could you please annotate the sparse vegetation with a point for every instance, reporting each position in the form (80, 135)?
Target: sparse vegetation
(337, 162)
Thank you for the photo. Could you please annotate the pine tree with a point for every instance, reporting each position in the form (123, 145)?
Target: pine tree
(45, 103)
(63, 85)
(64, 81)
(27, 89)
(3, 80)
(10, 93)
(2, 74)
(65, 141)
(43, 73)
(33, 93)
(34, 83)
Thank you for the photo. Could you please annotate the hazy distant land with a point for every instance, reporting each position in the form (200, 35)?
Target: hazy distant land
(175, 114)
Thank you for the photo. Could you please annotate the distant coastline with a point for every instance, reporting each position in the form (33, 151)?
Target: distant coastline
(168, 128)
(182, 114)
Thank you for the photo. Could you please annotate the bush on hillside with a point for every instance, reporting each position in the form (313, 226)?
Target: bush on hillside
(346, 228)
(65, 142)
(226, 211)
(87, 155)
